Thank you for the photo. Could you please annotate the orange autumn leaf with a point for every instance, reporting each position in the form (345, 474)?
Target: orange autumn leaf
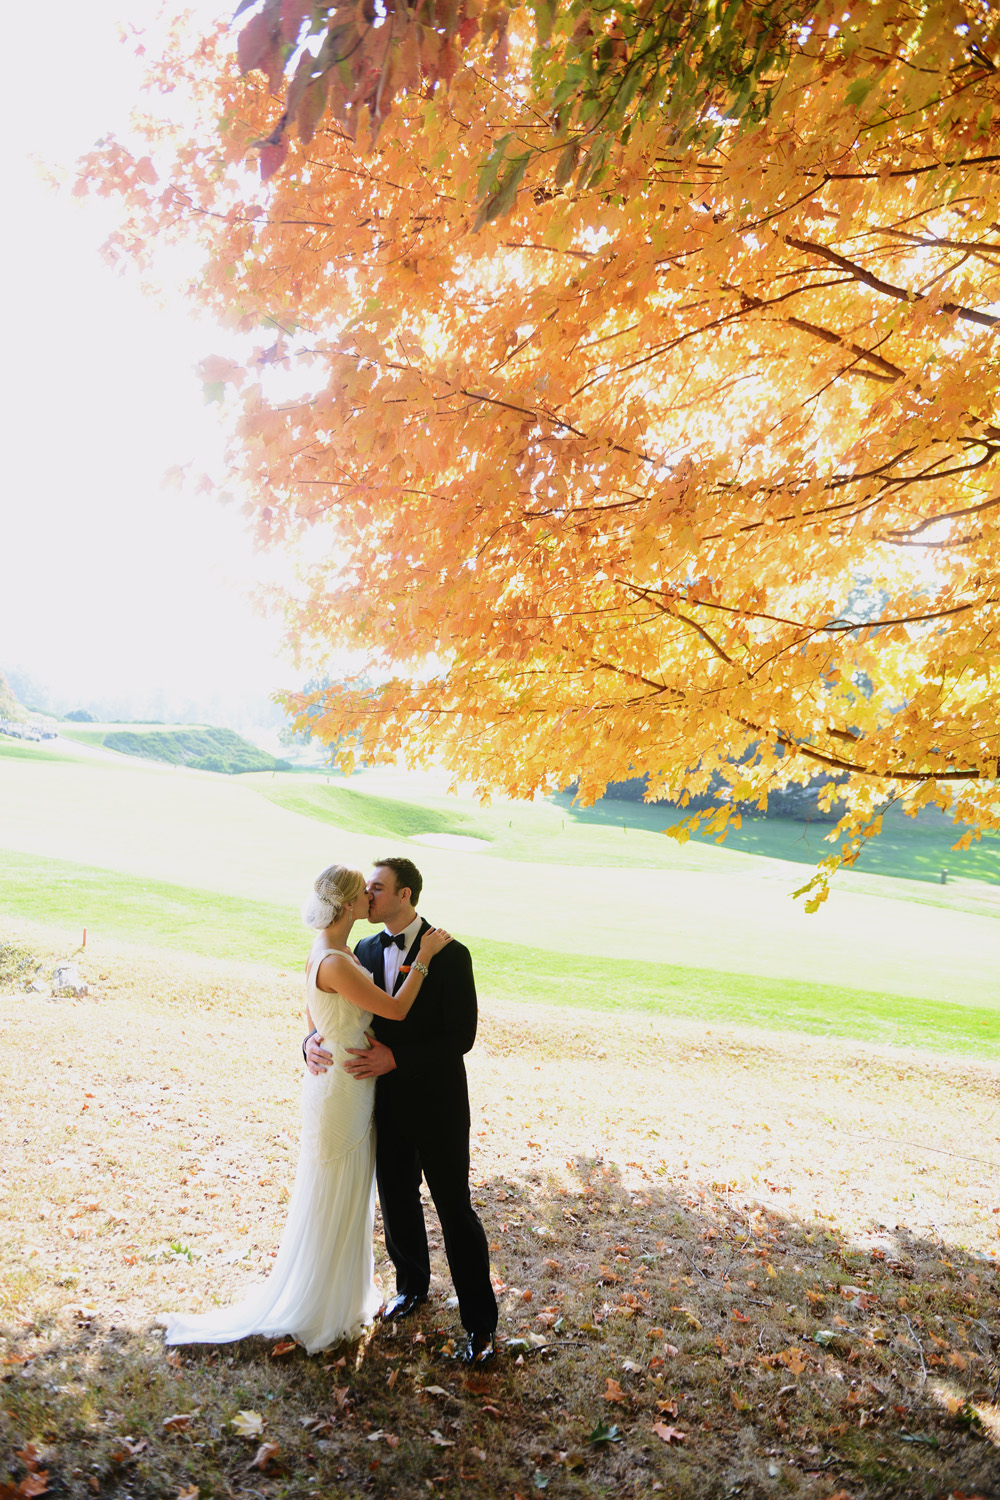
(613, 1391)
(668, 1434)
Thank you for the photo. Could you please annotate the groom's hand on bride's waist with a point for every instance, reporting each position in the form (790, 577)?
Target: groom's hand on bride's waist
(370, 1062)
(317, 1057)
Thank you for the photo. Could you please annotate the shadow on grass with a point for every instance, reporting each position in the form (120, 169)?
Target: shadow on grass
(684, 1342)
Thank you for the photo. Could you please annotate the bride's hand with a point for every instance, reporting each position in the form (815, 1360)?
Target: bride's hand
(433, 940)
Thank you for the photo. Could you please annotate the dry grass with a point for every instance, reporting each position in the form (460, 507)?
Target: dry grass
(768, 1262)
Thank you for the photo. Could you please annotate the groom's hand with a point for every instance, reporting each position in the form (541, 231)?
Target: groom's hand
(370, 1062)
(317, 1057)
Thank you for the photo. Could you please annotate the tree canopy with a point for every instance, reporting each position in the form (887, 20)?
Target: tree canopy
(680, 463)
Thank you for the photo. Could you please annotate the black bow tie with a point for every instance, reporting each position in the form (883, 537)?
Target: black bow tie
(388, 938)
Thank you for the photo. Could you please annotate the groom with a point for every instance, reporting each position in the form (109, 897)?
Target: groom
(422, 1107)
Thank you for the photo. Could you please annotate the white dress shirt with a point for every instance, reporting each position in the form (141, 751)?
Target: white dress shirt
(392, 956)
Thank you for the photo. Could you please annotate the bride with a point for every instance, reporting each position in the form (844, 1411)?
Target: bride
(321, 1289)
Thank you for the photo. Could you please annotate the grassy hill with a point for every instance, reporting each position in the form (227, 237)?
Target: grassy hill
(200, 746)
(360, 812)
(558, 905)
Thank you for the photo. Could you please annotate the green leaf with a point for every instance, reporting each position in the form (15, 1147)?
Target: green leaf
(859, 91)
(491, 166)
(604, 1433)
(568, 158)
(927, 1439)
(502, 200)
(545, 11)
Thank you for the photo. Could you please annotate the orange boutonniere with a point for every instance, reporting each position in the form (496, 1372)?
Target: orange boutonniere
(404, 968)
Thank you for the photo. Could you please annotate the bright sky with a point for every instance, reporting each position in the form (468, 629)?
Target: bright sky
(107, 578)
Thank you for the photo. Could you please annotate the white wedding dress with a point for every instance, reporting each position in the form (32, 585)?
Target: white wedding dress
(321, 1289)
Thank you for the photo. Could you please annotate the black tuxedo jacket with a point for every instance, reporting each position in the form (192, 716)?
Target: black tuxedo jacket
(430, 1043)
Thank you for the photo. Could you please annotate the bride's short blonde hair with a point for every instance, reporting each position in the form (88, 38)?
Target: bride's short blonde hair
(334, 889)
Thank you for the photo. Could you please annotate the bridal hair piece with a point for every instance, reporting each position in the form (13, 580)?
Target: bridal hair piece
(333, 890)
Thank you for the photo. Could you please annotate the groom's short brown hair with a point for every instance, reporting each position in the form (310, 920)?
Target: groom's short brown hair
(406, 874)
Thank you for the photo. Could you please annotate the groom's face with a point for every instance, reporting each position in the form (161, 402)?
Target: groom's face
(385, 900)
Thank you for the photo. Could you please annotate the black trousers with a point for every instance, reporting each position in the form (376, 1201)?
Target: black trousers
(408, 1150)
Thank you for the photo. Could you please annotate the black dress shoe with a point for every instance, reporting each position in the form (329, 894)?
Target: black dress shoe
(401, 1306)
(480, 1349)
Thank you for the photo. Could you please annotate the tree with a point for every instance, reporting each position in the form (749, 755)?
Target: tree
(621, 455)
(11, 711)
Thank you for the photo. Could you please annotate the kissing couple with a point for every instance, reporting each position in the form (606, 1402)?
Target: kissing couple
(384, 1098)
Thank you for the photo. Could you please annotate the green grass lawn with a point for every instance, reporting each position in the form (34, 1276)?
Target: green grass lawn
(623, 834)
(195, 921)
(149, 912)
(27, 750)
(220, 865)
(908, 848)
(360, 812)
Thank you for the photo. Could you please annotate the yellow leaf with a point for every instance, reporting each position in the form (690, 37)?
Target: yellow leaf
(247, 1424)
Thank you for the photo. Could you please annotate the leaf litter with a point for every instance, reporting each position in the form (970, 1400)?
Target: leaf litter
(734, 1302)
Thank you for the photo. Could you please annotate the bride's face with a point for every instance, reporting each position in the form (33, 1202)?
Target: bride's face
(359, 907)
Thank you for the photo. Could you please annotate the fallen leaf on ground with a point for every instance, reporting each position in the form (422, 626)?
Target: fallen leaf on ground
(36, 1483)
(265, 1453)
(604, 1433)
(247, 1424)
(613, 1392)
(572, 1459)
(178, 1422)
(285, 1347)
(440, 1441)
(191, 1493)
(434, 1390)
(631, 1367)
(669, 1434)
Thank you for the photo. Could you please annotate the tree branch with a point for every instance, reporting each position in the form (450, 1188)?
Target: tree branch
(971, 315)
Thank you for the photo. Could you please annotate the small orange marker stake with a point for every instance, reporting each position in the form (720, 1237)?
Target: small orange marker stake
(84, 943)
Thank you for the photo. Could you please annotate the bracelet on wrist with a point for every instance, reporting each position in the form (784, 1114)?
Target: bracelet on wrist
(421, 968)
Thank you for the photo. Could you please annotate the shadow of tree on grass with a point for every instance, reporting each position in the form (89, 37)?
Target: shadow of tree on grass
(679, 1341)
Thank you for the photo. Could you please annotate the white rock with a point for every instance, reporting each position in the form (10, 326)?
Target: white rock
(66, 980)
